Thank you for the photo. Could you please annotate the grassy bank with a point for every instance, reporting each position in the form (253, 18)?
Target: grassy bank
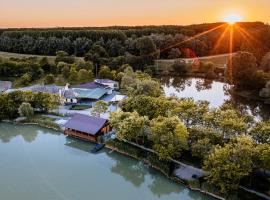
(42, 121)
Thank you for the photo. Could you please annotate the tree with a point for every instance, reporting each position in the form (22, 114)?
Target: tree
(148, 106)
(147, 87)
(169, 137)
(4, 107)
(49, 79)
(85, 76)
(262, 156)
(180, 67)
(146, 45)
(244, 65)
(174, 53)
(191, 112)
(147, 49)
(105, 72)
(73, 75)
(65, 71)
(266, 62)
(99, 108)
(201, 148)
(44, 64)
(229, 164)
(129, 126)
(25, 79)
(230, 123)
(26, 110)
(62, 56)
(261, 132)
(128, 79)
(202, 140)
(44, 102)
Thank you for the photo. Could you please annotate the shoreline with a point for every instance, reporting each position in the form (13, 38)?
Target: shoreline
(174, 179)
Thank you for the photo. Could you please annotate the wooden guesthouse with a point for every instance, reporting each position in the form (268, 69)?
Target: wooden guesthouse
(86, 127)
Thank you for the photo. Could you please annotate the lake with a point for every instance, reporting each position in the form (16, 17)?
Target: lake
(215, 92)
(41, 164)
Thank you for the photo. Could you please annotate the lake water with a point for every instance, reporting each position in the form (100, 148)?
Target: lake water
(215, 92)
(40, 164)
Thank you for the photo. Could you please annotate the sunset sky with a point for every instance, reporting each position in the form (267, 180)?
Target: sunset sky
(52, 13)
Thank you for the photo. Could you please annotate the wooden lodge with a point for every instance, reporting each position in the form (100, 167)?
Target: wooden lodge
(86, 127)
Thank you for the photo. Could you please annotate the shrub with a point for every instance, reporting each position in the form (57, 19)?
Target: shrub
(26, 110)
(49, 79)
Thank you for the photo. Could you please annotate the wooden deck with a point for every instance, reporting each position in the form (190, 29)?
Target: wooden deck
(80, 135)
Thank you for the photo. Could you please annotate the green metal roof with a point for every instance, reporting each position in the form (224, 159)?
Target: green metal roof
(95, 93)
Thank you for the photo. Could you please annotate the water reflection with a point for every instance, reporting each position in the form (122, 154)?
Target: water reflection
(159, 188)
(8, 131)
(131, 170)
(215, 92)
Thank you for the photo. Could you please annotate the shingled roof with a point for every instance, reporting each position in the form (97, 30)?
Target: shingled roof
(86, 124)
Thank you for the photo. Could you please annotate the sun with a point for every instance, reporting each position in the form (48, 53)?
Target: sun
(232, 18)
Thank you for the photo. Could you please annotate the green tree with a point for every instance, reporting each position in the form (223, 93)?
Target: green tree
(148, 106)
(49, 79)
(105, 72)
(85, 76)
(99, 108)
(44, 102)
(73, 75)
(261, 132)
(4, 107)
(25, 79)
(147, 87)
(262, 156)
(180, 67)
(201, 148)
(62, 56)
(65, 72)
(244, 65)
(191, 112)
(229, 164)
(129, 126)
(230, 123)
(26, 110)
(146, 46)
(45, 65)
(169, 137)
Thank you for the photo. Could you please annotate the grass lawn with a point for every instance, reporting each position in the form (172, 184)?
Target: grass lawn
(80, 107)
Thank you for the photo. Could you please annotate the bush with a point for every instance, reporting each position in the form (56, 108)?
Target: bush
(180, 67)
(49, 79)
(26, 110)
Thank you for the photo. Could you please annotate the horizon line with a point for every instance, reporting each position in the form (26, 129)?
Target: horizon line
(108, 26)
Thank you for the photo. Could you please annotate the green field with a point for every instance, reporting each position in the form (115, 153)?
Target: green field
(219, 60)
(51, 59)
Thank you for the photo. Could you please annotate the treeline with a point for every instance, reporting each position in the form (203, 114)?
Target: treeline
(231, 146)
(78, 41)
